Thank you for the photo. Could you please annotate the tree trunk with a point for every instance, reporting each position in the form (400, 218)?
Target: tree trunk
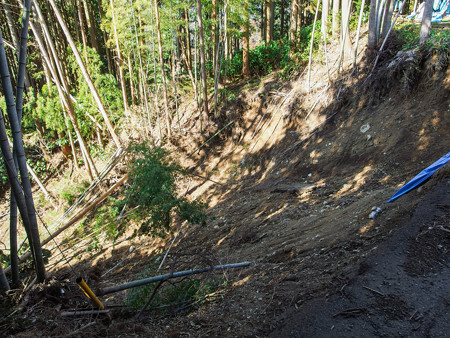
(202, 57)
(215, 36)
(13, 247)
(132, 89)
(380, 13)
(188, 38)
(335, 18)
(119, 57)
(225, 34)
(4, 285)
(264, 20)
(373, 16)
(269, 20)
(246, 41)
(90, 20)
(325, 11)
(83, 31)
(425, 27)
(345, 32)
(361, 13)
(294, 26)
(28, 212)
(86, 75)
(387, 19)
(163, 73)
(312, 44)
(282, 14)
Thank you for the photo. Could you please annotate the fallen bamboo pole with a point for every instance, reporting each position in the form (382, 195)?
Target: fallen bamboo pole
(75, 219)
(154, 279)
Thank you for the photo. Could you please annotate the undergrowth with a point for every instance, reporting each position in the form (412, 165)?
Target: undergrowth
(150, 200)
(408, 33)
(153, 191)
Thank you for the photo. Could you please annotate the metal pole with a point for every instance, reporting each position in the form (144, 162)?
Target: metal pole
(154, 279)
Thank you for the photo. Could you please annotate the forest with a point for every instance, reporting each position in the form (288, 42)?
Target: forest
(130, 131)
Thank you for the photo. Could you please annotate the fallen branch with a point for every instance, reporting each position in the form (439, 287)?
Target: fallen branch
(83, 313)
(374, 291)
(205, 178)
(317, 101)
(351, 312)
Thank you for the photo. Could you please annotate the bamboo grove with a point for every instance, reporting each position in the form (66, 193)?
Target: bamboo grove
(74, 72)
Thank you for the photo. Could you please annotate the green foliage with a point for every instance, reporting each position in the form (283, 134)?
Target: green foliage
(152, 177)
(353, 24)
(106, 86)
(69, 193)
(263, 59)
(101, 226)
(105, 219)
(3, 175)
(46, 106)
(408, 33)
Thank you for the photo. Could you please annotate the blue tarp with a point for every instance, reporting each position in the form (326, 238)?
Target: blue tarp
(441, 8)
(421, 177)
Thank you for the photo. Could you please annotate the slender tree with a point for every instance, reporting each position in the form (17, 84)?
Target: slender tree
(294, 26)
(120, 61)
(282, 15)
(163, 72)
(425, 27)
(325, 12)
(387, 18)
(202, 57)
(372, 39)
(26, 209)
(269, 8)
(335, 17)
(246, 41)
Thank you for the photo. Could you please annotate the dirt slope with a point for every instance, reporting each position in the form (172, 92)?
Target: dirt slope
(292, 178)
(400, 290)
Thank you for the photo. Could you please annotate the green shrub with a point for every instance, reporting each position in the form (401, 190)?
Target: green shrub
(263, 59)
(152, 178)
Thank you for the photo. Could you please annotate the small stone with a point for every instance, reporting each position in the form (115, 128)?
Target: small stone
(364, 128)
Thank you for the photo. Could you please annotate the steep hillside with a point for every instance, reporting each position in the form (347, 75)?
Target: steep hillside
(290, 174)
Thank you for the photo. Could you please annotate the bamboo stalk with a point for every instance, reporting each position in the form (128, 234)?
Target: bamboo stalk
(311, 45)
(361, 12)
(76, 218)
(387, 36)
